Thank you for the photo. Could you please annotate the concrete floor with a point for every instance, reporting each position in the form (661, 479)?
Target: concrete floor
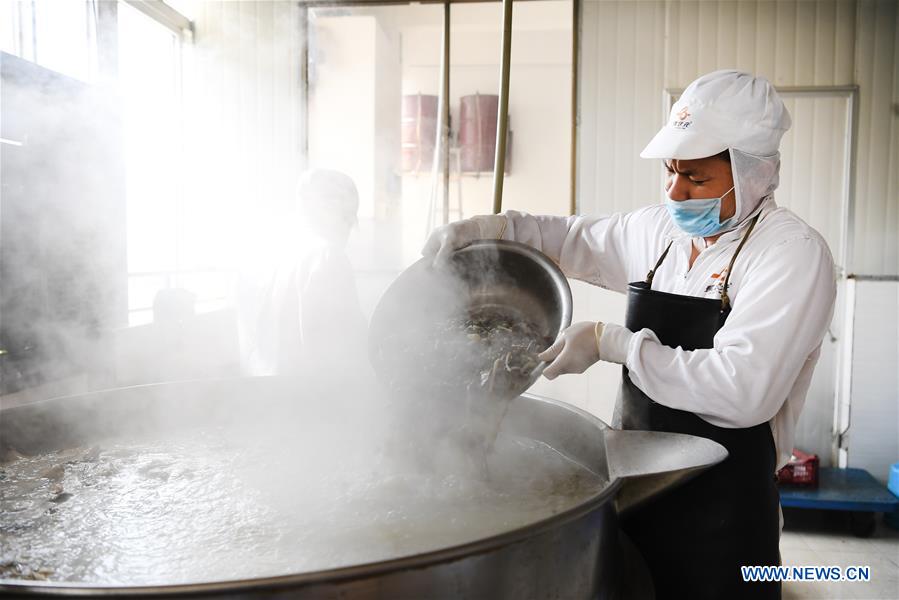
(823, 538)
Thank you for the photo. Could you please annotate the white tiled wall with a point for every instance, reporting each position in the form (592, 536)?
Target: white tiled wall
(874, 415)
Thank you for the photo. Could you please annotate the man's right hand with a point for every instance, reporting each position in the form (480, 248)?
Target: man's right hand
(446, 239)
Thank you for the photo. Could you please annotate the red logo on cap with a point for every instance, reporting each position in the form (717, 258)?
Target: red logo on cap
(683, 114)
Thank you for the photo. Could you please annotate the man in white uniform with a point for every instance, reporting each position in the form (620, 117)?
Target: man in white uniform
(307, 316)
(729, 297)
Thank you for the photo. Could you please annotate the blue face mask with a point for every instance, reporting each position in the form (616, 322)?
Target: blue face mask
(699, 217)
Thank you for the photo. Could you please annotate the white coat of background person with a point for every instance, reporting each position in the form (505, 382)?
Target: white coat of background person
(307, 315)
(720, 240)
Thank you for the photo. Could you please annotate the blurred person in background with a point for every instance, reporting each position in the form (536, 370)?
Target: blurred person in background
(306, 316)
(729, 297)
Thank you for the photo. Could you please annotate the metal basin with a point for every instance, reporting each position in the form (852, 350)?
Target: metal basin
(572, 554)
(510, 276)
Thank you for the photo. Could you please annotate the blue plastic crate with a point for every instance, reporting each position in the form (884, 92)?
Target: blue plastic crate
(892, 518)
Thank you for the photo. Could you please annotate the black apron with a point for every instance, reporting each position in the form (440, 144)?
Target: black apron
(696, 537)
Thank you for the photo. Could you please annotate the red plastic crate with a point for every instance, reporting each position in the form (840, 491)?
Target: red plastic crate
(801, 470)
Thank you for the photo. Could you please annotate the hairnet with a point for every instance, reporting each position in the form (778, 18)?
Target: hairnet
(755, 179)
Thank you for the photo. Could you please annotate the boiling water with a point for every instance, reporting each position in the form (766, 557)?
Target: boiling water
(206, 505)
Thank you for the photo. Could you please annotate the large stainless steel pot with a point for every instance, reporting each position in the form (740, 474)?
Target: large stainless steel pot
(569, 555)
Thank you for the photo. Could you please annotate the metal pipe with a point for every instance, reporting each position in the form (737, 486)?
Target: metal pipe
(303, 18)
(107, 40)
(864, 277)
(441, 133)
(848, 232)
(502, 116)
(843, 400)
(163, 14)
(445, 114)
(575, 63)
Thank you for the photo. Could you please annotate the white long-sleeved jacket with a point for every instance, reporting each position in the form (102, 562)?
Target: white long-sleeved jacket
(782, 291)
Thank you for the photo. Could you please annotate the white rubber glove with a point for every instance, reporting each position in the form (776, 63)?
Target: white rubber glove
(446, 239)
(574, 351)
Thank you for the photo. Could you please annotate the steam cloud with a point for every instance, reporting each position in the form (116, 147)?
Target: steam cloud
(331, 440)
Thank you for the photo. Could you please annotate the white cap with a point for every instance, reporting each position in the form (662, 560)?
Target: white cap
(721, 110)
(328, 191)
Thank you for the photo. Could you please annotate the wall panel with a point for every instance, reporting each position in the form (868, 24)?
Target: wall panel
(813, 156)
(244, 114)
(874, 426)
(874, 415)
(621, 93)
(813, 175)
(876, 249)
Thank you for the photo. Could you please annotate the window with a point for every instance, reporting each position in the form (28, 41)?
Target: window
(149, 84)
(168, 241)
(60, 36)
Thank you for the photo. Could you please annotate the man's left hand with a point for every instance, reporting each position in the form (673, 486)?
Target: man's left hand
(574, 350)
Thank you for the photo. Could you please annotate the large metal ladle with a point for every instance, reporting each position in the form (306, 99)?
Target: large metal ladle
(650, 462)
